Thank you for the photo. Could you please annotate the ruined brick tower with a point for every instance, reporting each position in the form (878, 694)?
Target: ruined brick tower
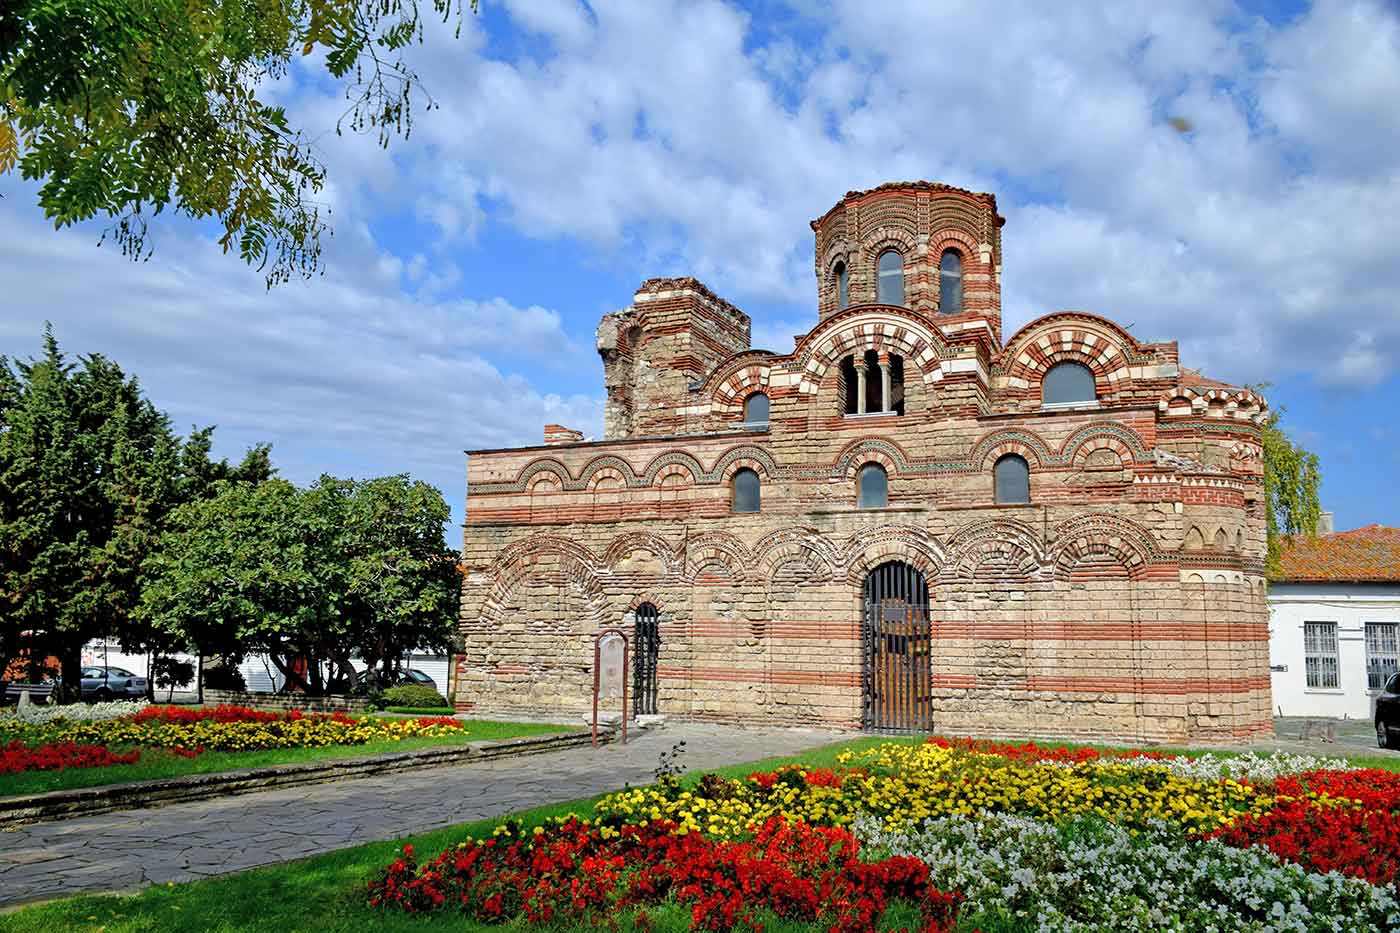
(906, 523)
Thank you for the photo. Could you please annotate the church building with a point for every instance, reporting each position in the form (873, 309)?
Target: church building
(909, 521)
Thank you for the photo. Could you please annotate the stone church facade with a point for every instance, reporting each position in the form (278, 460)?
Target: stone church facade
(910, 521)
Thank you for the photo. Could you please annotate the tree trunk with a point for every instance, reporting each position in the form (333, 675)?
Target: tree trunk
(70, 660)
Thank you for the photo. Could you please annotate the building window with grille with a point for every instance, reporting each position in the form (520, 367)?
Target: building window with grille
(1320, 652)
(1382, 653)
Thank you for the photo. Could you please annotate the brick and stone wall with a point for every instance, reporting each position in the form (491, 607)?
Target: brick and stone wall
(1126, 600)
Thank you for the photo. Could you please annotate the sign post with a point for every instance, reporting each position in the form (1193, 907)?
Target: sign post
(610, 657)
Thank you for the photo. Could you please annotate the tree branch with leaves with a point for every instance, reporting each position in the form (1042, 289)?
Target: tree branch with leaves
(124, 109)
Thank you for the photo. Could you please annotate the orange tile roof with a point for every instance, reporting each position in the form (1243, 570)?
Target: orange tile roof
(1194, 377)
(1365, 555)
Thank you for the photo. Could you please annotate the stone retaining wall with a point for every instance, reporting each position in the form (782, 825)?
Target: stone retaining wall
(287, 701)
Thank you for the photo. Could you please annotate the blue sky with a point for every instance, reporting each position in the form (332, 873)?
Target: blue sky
(581, 148)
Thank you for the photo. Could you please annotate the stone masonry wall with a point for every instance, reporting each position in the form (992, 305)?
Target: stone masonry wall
(1125, 601)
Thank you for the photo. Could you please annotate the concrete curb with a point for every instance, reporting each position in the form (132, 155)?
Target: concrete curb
(63, 804)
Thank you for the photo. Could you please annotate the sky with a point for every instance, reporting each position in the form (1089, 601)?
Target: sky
(580, 148)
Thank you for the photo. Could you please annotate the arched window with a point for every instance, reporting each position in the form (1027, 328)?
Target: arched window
(1067, 382)
(891, 279)
(950, 282)
(1011, 478)
(746, 491)
(873, 487)
(843, 287)
(756, 409)
(881, 394)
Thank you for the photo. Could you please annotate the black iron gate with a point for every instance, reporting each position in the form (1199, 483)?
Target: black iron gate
(646, 647)
(898, 662)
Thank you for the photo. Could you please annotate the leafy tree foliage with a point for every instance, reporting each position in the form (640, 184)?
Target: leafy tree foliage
(309, 577)
(1291, 479)
(89, 472)
(124, 108)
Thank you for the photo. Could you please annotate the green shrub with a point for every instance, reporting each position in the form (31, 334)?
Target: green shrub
(415, 695)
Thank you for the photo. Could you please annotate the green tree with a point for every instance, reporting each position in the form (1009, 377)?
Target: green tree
(243, 571)
(89, 472)
(1291, 480)
(312, 578)
(124, 108)
(399, 578)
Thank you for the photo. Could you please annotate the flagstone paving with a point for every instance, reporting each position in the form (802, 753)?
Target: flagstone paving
(129, 849)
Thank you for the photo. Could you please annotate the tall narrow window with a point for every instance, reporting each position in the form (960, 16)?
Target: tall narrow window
(746, 491)
(843, 287)
(1011, 479)
(1382, 653)
(950, 282)
(1067, 382)
(756, 409)
(873, 487)
(890, 290)
(1320, 654)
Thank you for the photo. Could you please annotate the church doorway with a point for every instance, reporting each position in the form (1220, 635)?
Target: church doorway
(897, 669)
(646, 650)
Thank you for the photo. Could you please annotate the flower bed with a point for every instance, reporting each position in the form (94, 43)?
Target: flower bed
(189, 731)
(1019, 836)
(580, 873)
(16, 757)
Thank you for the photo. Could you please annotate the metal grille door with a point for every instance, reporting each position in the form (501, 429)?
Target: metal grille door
(898, 668)
(646, 647)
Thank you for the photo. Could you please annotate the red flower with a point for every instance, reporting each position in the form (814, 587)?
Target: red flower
(17, 757)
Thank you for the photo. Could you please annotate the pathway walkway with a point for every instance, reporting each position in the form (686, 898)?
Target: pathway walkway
(126, 850)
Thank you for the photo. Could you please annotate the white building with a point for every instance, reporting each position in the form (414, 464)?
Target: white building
(1334, 625)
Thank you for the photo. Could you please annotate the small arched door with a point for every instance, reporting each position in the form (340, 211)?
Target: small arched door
(646, 648)
(897, 693)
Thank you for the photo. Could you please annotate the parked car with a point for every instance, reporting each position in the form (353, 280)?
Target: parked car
(1388, 714)
(107, 683)
(394, 678)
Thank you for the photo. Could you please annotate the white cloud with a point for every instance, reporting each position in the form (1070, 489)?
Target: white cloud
(343, 373)
(686, 137)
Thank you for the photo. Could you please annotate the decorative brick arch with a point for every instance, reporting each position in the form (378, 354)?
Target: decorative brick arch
(741, 382)
(625, 544)
(546, 478)
(1080, 454)
(868, 549)
(1098, 536)
(870, 450)
(605, 474)
(737, 458)
(641, 600)
(840, 249)
(802, 543)
(671, 462)
(717, 547)
(888, 236)
(612, 466)
(882, 329)
(518, 561)
(997, 444)
(534, 467)
(1013, 544)
(1108, 351)
(674, 469)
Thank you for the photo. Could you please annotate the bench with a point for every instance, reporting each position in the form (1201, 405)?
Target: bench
(38, 693)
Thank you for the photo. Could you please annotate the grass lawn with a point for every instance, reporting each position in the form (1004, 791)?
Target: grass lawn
(326, 892)
(157, 763)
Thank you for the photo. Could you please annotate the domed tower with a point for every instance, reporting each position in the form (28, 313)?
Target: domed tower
(928, 247)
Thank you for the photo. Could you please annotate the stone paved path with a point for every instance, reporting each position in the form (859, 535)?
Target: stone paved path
(126, 850)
